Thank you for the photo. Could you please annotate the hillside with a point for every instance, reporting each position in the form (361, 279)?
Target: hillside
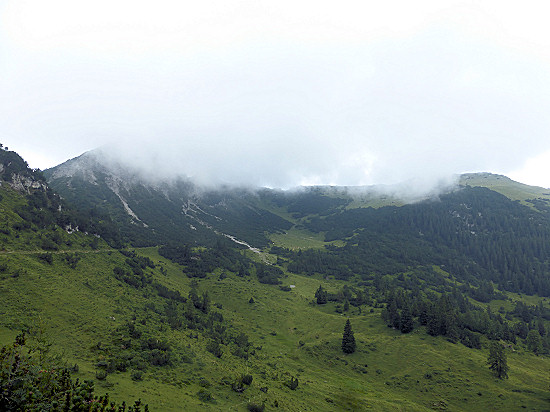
(533, 196)
(149, 211)
(197, 321)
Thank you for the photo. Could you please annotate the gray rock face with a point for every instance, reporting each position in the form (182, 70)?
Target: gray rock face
(24, 184)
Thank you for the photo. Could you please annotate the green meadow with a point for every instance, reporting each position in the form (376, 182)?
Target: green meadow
(78, 310)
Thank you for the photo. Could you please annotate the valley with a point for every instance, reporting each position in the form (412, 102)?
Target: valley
(151, 305)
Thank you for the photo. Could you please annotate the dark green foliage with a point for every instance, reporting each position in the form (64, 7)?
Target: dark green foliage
(391, 315)
(238, 386)
(33, 383)
(44, 208)
(292, 383)
(197, 264)
(321, 295)
(101, 375)
(269, 274)
(131, 348)
(254, 407)
(205, 383)
(46, 257)
(15, 165)
(534, 342)
(497, 360)
(48, 244)
(135, 273)
(214, 348)
(307, 202)
(246, 379)
(242, 345)
(72, 259)
(176, 253)
(479, 236)
(407, 322)
(160, 208)
(204, 395)
(348, 339)
(167, 293)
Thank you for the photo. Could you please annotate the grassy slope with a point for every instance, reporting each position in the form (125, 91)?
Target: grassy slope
(76, 307)
(506, 186)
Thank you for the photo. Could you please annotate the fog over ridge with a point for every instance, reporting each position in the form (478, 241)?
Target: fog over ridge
(414, 100)
(377, 124)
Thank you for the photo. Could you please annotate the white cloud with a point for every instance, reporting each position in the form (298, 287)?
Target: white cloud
(279, 93)
(536, 171)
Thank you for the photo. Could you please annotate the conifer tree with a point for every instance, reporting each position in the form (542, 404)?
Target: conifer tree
(348, 340)
(407, 322)
(497, 361)
(394, 319)
(534, 342)
(321, 295)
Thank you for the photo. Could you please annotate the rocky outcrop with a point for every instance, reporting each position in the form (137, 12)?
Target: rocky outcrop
(25, 184)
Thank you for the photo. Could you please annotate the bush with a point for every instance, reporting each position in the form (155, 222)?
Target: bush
(204, 382)
(238, 386)
(46, 257)
(101, 375)
(293, 383)
(204, 395)
(246, 379)
(48, 244)
(254, 407)
(214, 348)
(159, 358)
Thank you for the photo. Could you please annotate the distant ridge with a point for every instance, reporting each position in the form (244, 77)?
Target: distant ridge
(506, 186)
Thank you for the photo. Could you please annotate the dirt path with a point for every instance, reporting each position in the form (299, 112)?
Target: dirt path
(55, 252)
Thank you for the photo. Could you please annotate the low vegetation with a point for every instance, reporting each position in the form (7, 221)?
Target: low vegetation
(390, 312)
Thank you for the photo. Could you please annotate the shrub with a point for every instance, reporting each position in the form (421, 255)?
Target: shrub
(254, 407)
(46, 257)
(292, 383)
(204, 395)
(48, 244)
(238, 386)
(204, 382)
(246, 379)
(101, 375)
(214, 348)
(159, 358)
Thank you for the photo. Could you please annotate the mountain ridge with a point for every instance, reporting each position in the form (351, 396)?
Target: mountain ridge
(254, 215)
(205, 324)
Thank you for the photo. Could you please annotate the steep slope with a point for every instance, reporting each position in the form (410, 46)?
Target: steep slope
(152, 212)
(34, 216)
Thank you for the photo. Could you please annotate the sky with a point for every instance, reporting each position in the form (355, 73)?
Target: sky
(281, 93)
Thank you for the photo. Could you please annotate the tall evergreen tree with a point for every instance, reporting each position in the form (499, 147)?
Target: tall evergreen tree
(534, 342)
(497, 361)
(394, 319)
(407, 322)
(321, 295)
(348, 340)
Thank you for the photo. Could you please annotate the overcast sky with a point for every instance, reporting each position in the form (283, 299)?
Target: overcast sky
(282, 93)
